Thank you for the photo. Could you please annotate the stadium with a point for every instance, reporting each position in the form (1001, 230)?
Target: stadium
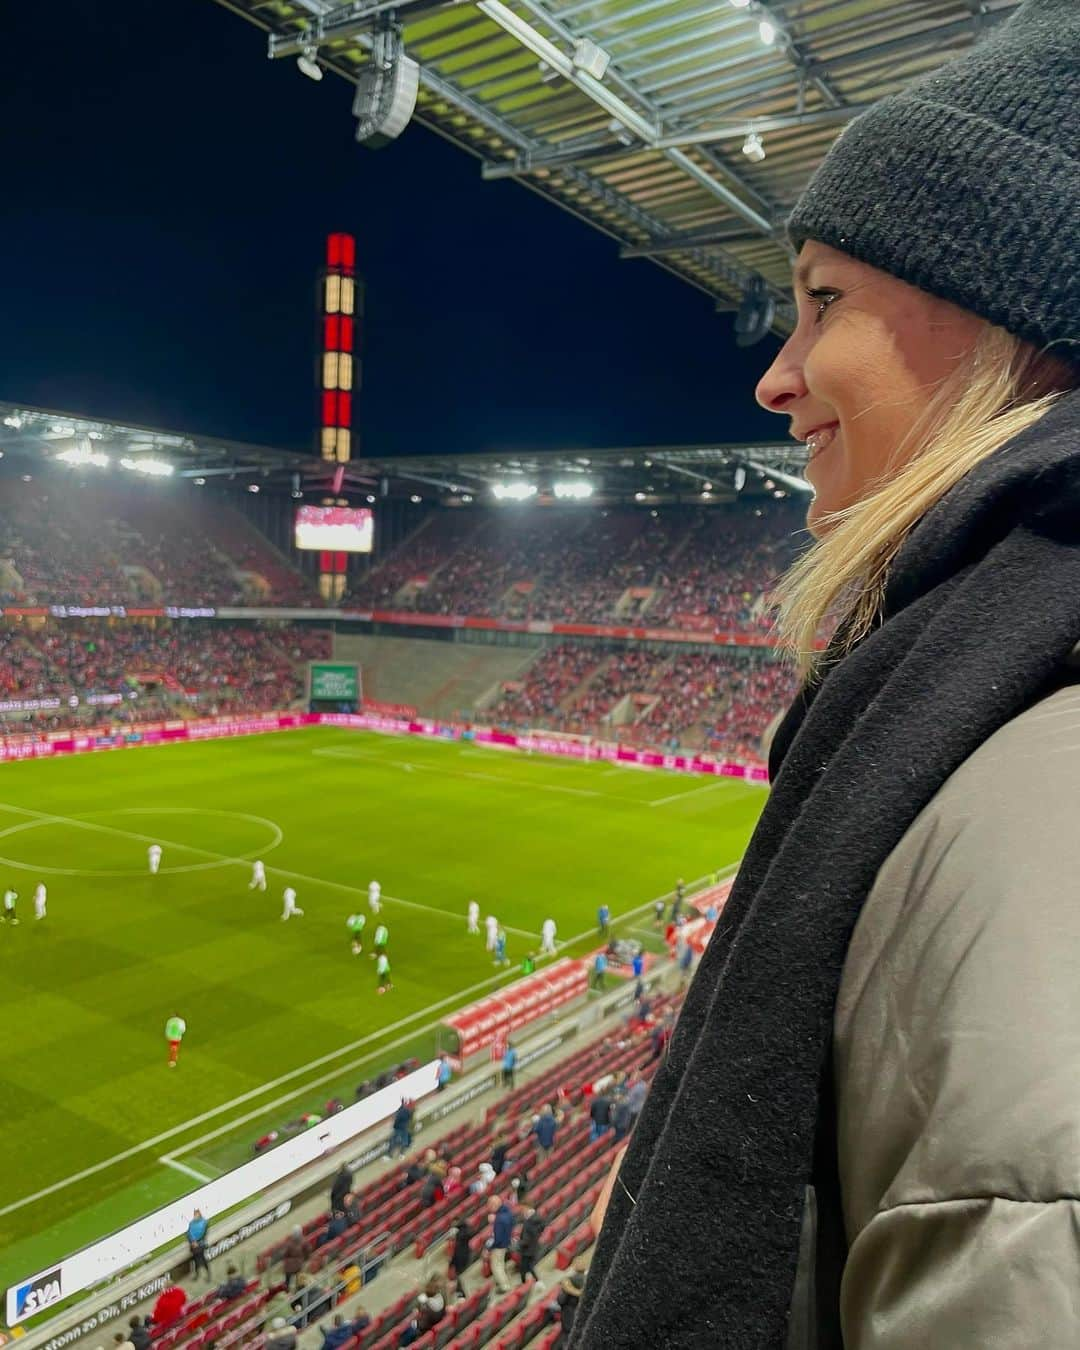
(365, 817)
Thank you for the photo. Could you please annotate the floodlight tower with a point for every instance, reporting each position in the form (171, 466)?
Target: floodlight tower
(338, 376)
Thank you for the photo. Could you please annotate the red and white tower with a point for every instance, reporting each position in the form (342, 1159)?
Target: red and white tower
(337, 380)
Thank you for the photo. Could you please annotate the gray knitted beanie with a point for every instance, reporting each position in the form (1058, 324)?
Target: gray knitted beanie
(967, 183)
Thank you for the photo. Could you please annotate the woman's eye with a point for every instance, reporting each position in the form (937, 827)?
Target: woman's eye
(822, 298)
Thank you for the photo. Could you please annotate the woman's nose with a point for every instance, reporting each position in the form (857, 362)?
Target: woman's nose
(782, 383)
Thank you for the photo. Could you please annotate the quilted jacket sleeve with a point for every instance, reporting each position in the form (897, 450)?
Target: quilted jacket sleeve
(957, 1060)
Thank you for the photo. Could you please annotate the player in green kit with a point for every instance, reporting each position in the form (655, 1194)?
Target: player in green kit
(174, 1034)
(382, 937)
(355, 924)
(382, 969)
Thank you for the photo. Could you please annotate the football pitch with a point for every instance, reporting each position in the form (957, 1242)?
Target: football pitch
(280, 1016)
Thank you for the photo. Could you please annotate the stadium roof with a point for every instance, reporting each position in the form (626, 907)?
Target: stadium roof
(650, 146)
(38, 432)
(642, 473)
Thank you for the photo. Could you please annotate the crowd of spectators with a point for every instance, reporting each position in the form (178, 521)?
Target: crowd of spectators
(708, 568)
(415, 560)
(759, 689)
(724, 572)
(629, 670)
(550, 679)
(149, 544)
(719, 700)
(126, 671)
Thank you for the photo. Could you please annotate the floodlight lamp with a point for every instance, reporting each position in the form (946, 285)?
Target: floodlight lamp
(154, 468)
(767, 32)
(308, 64)
(82, 454)
(513, 492)
(753, 148)
(573, 490)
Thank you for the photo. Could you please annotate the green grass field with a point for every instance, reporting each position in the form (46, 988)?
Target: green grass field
(280, 1015)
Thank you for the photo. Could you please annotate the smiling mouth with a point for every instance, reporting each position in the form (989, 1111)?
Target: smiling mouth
(819, 441)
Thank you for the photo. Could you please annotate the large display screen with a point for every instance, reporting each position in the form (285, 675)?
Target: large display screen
(335, 682)
(338, 529)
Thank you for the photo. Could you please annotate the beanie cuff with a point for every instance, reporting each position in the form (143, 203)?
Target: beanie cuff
(934, 196)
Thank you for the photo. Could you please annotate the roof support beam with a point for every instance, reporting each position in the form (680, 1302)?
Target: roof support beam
(332, 22)
(582, 152)
(784, 122)
(679, 243)
(641, 127)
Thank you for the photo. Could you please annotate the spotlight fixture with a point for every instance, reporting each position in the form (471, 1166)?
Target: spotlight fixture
(371, 499)
(199, 482)
(415, 498)
(513, 492)
(307, 63)
(297, 494)
(253, 487)
(574, 489)
(154, 468)
(82, 454)
(753, 148)
(767, 32)
(590, 58)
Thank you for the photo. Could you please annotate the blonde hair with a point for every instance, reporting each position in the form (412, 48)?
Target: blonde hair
(999, 390)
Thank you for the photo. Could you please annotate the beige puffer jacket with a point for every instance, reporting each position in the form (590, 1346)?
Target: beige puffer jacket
(957, 1064)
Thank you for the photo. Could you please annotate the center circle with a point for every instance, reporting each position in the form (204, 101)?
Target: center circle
(85, 822)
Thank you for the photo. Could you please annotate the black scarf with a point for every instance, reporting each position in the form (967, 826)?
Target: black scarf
(982, 608)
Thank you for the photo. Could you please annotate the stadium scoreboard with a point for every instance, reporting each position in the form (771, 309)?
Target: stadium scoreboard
(335, 529)
(333, 682)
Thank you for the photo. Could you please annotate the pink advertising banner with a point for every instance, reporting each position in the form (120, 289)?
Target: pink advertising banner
(202, 729)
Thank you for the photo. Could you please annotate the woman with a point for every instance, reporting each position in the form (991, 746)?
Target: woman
(865, 1133)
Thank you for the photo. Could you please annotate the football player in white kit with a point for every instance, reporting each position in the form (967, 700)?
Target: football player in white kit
(40, 897)
(547, 938)
(291, 907)
(258, 876)
(491, 924)
(153, 855)
(374, 890)
(474, 917)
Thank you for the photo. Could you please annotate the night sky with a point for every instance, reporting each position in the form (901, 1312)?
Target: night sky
(166, 193)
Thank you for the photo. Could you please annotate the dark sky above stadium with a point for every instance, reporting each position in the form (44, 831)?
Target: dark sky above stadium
(167, 191)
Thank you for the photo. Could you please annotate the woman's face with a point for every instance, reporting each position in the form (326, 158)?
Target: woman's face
(866, 355)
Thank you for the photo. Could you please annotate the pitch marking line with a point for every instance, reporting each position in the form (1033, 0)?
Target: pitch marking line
(254, 1093)
(46, 817)
(346, 752)
(681, 796)
(183, 1167)
(335, 1073)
